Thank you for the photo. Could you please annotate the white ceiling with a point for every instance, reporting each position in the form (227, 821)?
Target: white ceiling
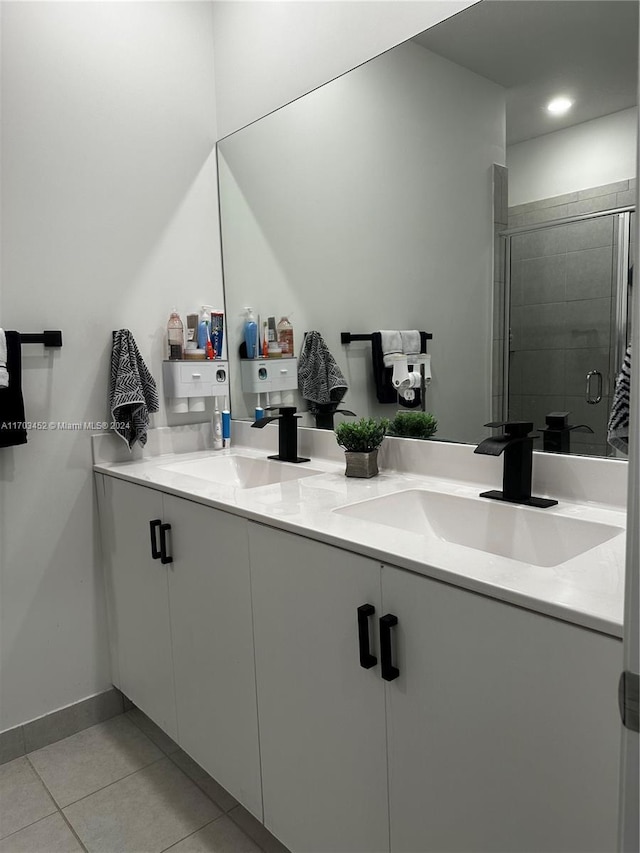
(586, 49)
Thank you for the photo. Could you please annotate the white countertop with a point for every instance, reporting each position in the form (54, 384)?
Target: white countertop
(587, 590)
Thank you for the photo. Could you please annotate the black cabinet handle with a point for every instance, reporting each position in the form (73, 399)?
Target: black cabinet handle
(367, 660)
(153, 526)
(164, 557)
(389, 672)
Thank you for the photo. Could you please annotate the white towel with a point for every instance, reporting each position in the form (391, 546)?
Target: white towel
(410, 342)
(4, 375)
(390, 341)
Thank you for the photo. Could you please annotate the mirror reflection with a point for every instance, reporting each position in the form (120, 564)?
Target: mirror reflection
(415, 194)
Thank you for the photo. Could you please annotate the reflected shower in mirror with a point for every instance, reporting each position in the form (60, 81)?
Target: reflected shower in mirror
(375, 203)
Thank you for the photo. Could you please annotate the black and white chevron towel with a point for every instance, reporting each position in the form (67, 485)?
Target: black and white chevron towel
(618, 427)
(132, 391)
(320, 380)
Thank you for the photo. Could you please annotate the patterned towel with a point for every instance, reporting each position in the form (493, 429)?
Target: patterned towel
(132, 391)
(4, 373)
(12, 424)
(320, 380)
(618, 427)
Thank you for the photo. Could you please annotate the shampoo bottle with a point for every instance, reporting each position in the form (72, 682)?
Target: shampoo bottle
(251, 334)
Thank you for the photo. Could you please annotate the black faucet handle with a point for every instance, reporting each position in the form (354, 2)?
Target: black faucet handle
(514, 429)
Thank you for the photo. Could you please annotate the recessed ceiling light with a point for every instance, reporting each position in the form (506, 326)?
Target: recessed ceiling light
(558, 106)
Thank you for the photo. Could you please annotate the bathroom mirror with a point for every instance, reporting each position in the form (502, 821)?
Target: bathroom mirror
(376, 201)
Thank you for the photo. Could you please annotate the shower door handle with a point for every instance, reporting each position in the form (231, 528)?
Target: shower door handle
(591, 398)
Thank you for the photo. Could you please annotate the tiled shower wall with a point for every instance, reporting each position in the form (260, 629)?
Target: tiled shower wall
(562, 307)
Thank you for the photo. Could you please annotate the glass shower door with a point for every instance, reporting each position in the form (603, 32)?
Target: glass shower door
(568, 324)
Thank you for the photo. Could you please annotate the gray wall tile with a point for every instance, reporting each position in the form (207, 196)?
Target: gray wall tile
(516, 283)
(67, 721)
(543, 203)
(588, 323)
(592, 205)
(543, 279)
(536, 244)
(542, 372)
(11, 744)
(590, 273)
(605, 189)
(625, 198)
(589, 234)
(547, 214)
(540, 327)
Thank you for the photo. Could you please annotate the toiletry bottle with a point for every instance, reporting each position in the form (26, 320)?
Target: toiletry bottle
(175, 336)
(192, 331)
(265, 342)
(285, 337)
(226, 425)
(204, 327)
(217, 332)
(251, 334)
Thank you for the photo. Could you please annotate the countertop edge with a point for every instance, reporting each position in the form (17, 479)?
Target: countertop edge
(513, 597)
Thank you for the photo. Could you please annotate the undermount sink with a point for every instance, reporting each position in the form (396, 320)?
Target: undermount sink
(532, 536)
(240, 472)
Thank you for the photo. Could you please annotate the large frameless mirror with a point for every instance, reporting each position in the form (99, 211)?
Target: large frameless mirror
(431, 189)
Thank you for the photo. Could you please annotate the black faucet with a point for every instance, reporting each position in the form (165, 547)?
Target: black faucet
(556, 434)
(325, 412)
(287, 434)
(517, 446)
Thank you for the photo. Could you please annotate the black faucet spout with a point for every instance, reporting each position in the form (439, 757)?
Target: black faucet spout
(287, 434)
(517, 446)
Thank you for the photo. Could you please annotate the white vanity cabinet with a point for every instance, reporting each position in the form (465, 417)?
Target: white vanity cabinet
(212, 633)
(322, 715)
(458, 723)
(181, 631)
(503, 727)
(501, 730)
(138, 599)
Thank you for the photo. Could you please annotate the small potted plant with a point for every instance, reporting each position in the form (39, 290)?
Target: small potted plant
(361, 440)
(413, 425)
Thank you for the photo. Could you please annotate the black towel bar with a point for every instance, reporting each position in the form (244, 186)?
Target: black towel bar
(347, 337)
(49, 339)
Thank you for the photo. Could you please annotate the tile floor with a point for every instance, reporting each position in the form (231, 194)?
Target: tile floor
(122, 786)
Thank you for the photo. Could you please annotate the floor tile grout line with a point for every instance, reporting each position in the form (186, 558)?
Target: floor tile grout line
(180, 840)
(58, 809)
(4, 838)
(115, 781)
(72, 828)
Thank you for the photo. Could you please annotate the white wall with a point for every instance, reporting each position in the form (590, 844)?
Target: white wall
(591, 154)
(109, 217)
(367, 205)
(268, 53)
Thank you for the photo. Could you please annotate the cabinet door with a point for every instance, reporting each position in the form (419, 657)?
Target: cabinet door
(321, 715)
(139, 596)
(503, 728)
(210, 595)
